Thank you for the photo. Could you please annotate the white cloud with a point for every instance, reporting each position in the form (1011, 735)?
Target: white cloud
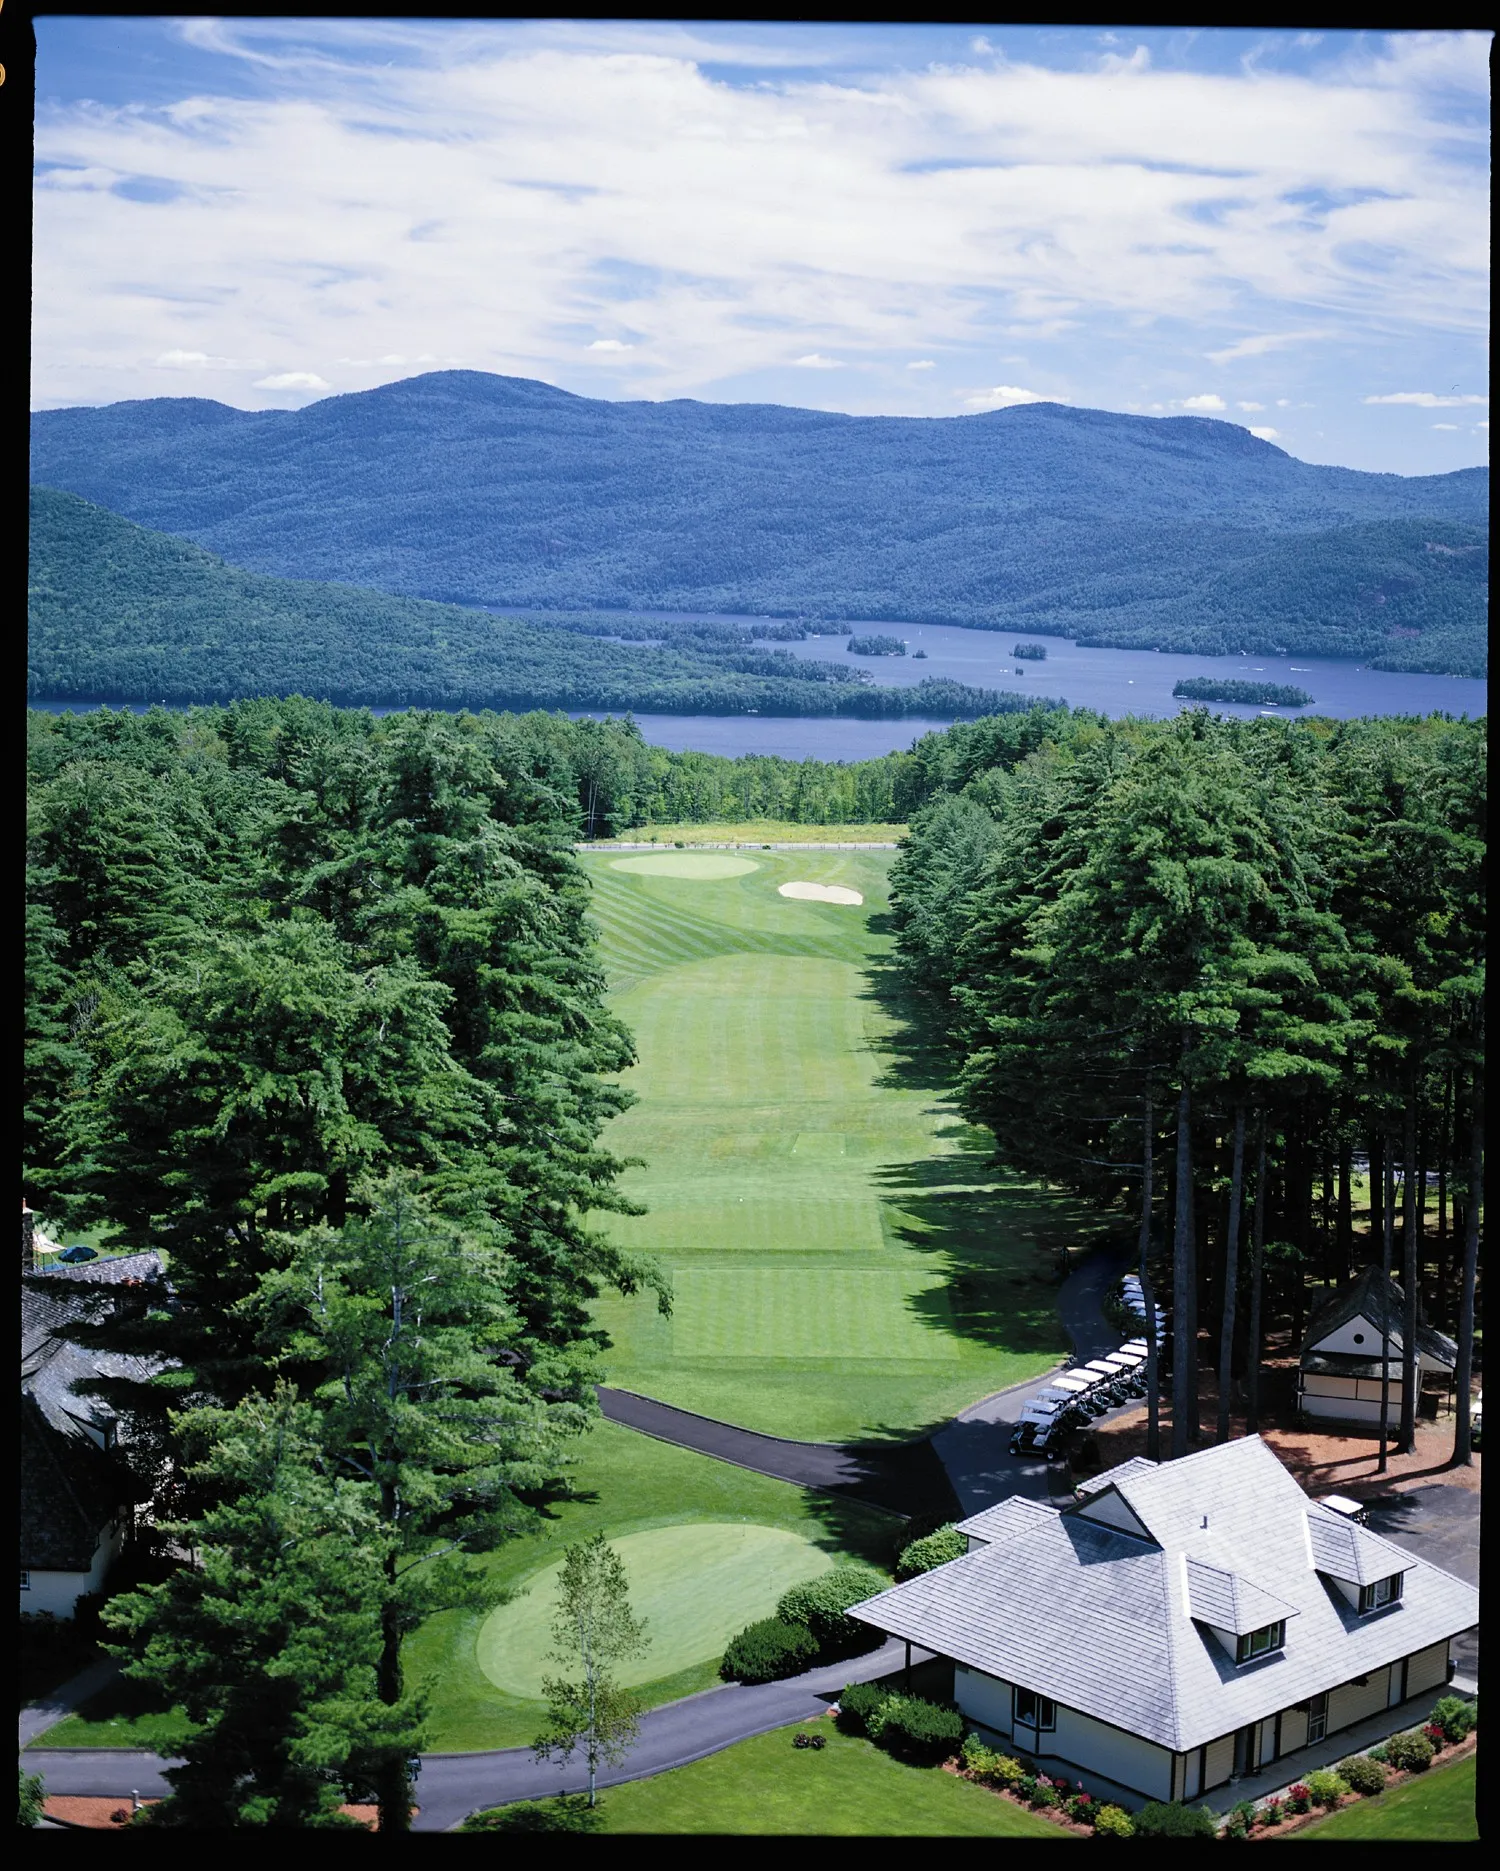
(1426, 399)
(1206, 401)
(1446, 425)
(1266, 435)
(1259, 346)
(815, 361)
(923, 363)
(610, 344)
(1005, 396)
(1250, 407)
(293, 380)
(200, 360)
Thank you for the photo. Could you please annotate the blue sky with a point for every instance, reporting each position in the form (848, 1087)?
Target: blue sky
(1289, 231)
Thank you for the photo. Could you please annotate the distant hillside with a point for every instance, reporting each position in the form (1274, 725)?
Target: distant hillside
(117, 613)
(1179, 533)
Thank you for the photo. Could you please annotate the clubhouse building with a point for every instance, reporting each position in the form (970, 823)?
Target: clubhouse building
(1179, 1625)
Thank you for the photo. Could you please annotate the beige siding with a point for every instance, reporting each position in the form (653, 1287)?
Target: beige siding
(1427, 1668)
(984, 1699)
(1293, 1730)
(1352, 1702)
(1320, 1384)
(1179, 1776)
(1218, 1762)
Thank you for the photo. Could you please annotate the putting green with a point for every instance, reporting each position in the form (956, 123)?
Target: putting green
(694, 1585)
(702, 866)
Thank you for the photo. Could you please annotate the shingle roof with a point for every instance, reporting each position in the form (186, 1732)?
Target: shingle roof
(1374, 1296)
(1006, 1519)
(1230, 1601)
(1345, 1550)
(54, 1370)
(1105, 1623)
(69, 1492)
(1094, 1483)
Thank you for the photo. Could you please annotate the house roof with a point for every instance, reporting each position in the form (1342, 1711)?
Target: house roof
(1345, 1550)
(70, 1490)
(1375, 1296)
(1232, 1602)
(55, 1371)
(1094, 1483)
(1106, 1623)
(1006, 1519)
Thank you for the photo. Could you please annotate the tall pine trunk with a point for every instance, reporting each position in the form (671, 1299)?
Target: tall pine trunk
(1377, 1190)
(1345, 1256)
(1231, 1273)
(392, 1785)
(1257, 1250)
(1183, 1274)
(1387, 1252)
(1463, 1429)
(1409, 1368)
(1148, 1298)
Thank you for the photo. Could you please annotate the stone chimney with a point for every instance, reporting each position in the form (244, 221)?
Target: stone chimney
(28, 1238)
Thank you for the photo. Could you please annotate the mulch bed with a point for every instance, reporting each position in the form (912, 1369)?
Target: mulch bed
(1294, 1822)
(105, 1815)
(1052, 1813)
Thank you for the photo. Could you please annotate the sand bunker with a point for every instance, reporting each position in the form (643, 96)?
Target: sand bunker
(820, 893)
(705, 866)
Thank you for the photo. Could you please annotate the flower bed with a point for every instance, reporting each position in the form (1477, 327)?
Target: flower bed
(1326, 1791)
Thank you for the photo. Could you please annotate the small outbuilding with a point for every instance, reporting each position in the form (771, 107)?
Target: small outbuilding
(1354, 1335)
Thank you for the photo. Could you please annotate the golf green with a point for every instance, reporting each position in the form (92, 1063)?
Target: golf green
(694, 1585)
(843, 1264)
(701, 866)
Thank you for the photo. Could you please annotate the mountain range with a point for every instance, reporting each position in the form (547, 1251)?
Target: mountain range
(1182, 533)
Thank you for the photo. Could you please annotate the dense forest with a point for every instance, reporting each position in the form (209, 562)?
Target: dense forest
(1177, 533)
(313, 1008)
(117, 613)
(1205, 973)
(1212, 689)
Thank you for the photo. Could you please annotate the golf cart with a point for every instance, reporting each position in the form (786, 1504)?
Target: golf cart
(1110, 1388)
(1044, 1427)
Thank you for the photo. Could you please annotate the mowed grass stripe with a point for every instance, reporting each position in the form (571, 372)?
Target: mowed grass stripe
(807, 1312)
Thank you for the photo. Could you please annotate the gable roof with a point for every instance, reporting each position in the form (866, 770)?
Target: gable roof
(55, 1371)
(1107, 1624)
(1374, 1296)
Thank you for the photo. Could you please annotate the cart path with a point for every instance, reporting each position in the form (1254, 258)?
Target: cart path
(960, 1468)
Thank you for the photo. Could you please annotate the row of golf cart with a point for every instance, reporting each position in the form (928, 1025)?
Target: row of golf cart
(1087, 1390)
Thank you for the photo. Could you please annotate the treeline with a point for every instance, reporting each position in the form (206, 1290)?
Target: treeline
(1203, 973)
(1212, 689)
(116, 613)
(313, 1006)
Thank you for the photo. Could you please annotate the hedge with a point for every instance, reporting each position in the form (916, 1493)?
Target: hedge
(768, 1649)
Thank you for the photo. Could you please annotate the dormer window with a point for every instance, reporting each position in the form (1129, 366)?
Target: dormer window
(1382, 1592)
(1262, 1642)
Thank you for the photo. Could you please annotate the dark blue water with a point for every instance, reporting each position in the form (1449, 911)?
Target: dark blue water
(1115, 682)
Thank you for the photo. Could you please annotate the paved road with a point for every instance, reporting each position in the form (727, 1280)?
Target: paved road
(453, 1785)
(38, 1717)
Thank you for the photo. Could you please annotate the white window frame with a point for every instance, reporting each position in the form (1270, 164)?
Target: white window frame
(1382, 1592)
(25, 1579)
(1043, 1717)
(1262, 1643)
(1317, 1718)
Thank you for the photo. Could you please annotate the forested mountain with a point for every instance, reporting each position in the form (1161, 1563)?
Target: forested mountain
(1178, 533)
(121, 614)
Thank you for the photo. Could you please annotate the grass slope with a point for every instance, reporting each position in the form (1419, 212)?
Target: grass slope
(1437, 1806)
(848, 1789)
(842, 1265)
(761, 832)
(624, 1485)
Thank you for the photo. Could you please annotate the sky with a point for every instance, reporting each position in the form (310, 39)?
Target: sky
(1286, 231)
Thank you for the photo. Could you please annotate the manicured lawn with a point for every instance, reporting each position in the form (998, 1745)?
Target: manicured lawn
(1436, 1806)
(696, 1587)
(847, 1789)
(843, 1265)
(763, 831)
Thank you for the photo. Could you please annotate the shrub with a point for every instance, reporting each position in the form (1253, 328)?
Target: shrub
(819, 1607)
(1409, 1753)
(1007, 1771)
(1163, 1819)
(1043, 1793)
(569, 1812)
(1269, 1814)
(857, 1703)
(1025, 1787)
(1113, 1822)
(33, 1797)
(803, 1739)
(922, 1730)
(1456, 1717)
(1434, 1733)
(1326, 1787)
(768, 1649)
(1379, 1753)
(1298, 1799)
(1362, 1775)
(1081, 1807)
(934, 1549)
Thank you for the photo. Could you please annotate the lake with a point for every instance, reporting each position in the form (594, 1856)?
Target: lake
(1115, 682)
